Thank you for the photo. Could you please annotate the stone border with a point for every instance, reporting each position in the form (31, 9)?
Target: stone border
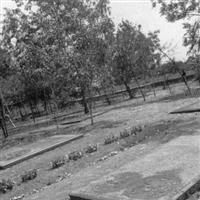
(7, 164)
(183, 194)
(185, 109)
(188, 190)
(74, 196)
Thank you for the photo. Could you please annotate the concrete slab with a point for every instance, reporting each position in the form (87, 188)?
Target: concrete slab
(163, 174)
(16, 155)
(195, 107)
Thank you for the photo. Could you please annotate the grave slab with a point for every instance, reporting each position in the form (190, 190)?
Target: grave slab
(164, 174)
(16, 155)
(195, 107)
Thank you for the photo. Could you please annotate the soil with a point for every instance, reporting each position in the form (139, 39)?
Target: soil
(158, 127)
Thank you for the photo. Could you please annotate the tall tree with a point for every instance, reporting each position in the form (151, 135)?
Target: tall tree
(132, 54)
(183, 9)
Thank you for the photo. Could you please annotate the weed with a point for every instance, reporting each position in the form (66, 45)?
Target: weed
(124, 134)
(110, 139)
(29, 175)
(5, 185)
(91, 149)
(135, 129)
(58, 162)
(75, 155)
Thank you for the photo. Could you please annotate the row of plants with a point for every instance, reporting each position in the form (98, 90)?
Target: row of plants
(124, 134)
(7, 185)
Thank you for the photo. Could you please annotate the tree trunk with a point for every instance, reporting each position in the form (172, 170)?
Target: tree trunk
(140, 89)
(128, 89)
(107, 98)
(154, 89)
(90, 106)
(56, 108)
(2, 117)
(167, 84)
(186, 83)
(84, 102)
(32, 112)
(20, 112)
(91, 113)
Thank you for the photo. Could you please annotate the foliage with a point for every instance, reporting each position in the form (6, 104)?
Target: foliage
(124, 134)
(29, 175)
(133, 53)
(110, 139)
(91, 149)
(58, 162)
(76, 155)
(183, 9)
(59, 45)
(54, 51)
(5, 185)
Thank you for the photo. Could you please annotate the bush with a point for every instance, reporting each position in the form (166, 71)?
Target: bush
(58, 163)
(29, 175)
(5, 185)
(75, 155)
(91, 149)
(110, 139)
(135, 130)
(124, 134)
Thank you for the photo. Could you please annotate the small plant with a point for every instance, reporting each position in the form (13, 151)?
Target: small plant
(29, 175)
(135, 130)
(110, 139)
(91, 149)
(57, 163)
(124, 134)
(5, 185)
(75, 155)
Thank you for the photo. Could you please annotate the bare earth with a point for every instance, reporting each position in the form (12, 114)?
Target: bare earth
(159, 128)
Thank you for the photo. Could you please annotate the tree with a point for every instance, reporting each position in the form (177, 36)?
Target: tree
(58, 42)
(133, 53)
(89, 49)
(183, 9)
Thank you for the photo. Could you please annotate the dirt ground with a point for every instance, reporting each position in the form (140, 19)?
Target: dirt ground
(153, 116)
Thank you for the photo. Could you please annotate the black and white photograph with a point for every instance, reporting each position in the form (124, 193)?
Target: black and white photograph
(99, 99)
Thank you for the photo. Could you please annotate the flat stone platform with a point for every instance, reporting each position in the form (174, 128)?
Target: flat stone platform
(163, 174)
(195, 107)
(16, 155)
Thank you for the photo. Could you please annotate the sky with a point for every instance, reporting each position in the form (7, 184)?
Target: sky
(140, 12)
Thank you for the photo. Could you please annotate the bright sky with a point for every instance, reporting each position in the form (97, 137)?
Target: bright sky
(140, 12)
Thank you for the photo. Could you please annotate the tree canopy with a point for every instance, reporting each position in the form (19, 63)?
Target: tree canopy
(188, 10)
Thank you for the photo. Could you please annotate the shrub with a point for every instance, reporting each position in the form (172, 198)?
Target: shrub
(57, 163)
(135, 130)
(91, 149)
(5, 185)
(124, 134)
(75, 155)
(29, 175)
(110, 139)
